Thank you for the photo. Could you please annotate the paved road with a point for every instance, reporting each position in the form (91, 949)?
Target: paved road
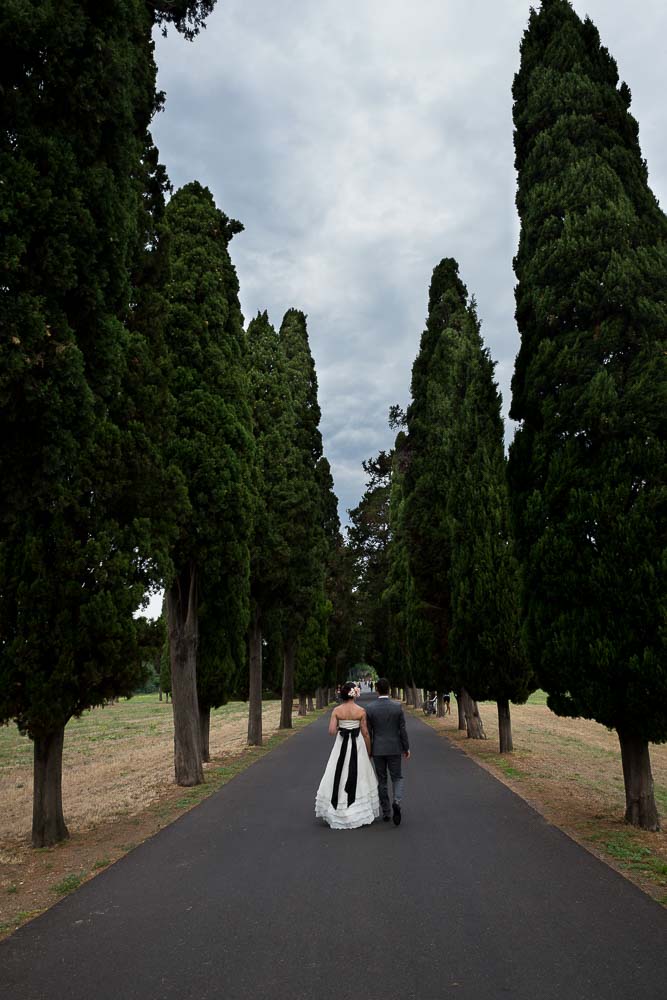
(247, 897)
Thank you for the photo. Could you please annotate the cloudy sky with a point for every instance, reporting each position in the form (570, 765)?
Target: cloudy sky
(359, 143)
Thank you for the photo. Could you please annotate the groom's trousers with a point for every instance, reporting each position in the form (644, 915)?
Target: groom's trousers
(392, 763)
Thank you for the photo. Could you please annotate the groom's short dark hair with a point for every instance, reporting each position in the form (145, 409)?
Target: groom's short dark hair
(382, 686)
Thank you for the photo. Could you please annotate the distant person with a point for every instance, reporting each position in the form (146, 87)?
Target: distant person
(389, 740)
(348, 794)
(447, 702)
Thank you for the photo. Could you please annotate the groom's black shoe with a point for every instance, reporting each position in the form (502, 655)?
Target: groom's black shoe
(397, 813)
(386, 818)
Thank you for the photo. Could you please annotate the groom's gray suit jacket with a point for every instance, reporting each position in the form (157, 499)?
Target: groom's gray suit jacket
(386, 725)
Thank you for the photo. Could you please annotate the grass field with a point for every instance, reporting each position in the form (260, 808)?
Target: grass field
(117, 760)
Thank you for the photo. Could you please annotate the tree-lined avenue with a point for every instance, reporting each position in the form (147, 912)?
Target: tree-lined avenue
(248, 896)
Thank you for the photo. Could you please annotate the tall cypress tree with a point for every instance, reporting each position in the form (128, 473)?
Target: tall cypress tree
(213, 447)
(277, 466)
(337, 588)
(368, 539)
(404, 635)
(462, 600)
(485, 644)
(83, 534)
(429, 461)
(588, 461)
(304, 534)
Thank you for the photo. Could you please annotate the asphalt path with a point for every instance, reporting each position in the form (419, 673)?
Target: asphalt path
(249, 897)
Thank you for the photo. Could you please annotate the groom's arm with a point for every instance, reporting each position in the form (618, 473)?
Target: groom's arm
(369, 722)
(403, 733)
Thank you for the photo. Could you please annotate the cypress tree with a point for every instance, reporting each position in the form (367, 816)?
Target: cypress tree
(277, 466)
(587, 464)
(368, 539)
(463, 611)
(338, 590)
(81, 478)
(398, 597)
(311, 660)
(312, 651)
(304, 535)
(485, 646)
(213, 448)
(429, 461)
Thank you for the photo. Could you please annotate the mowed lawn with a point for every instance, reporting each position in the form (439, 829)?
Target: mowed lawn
(117, 760)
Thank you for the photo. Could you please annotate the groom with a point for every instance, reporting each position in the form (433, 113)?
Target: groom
(389, 739)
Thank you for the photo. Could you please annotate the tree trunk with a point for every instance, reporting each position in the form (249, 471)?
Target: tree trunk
(288, 685)
(48, 822)
(441, 706)
(473, 718)
(417, 697)
(302, 705)
(255, 735)
(640, 804)
(311, 707)
(461, 709)
(183, 636)
(160, 692)
(205, 732)
(505, 726)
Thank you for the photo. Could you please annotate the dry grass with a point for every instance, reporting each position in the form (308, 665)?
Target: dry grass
(570, 771)
(100, 783)
(118, 790)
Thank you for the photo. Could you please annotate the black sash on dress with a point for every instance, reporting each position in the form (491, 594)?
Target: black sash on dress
(351, 783)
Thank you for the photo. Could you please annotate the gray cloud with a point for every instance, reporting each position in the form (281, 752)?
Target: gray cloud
(360, 143)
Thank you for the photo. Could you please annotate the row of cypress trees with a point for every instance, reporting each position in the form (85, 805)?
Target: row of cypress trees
(82, 393)
(554, 574)
(148, 440)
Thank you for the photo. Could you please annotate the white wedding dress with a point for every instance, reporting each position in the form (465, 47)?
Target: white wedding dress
(344, 803)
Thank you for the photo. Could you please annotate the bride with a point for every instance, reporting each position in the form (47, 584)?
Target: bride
(348, 792)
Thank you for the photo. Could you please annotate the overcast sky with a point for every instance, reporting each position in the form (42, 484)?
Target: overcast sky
(360, 143)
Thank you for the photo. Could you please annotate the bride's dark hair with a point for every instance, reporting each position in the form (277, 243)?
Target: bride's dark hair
(346, 690)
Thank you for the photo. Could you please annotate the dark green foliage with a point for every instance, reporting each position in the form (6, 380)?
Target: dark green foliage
(588, 461)
(277, 462)
(453, 591)
(344, 632)
(273, 653)
(398, 594)
(82, 535)
(486, 652)
(212, 445)
(431, 456)
(313, 647)
(188, 17)
(303, 531)
(368, 540)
